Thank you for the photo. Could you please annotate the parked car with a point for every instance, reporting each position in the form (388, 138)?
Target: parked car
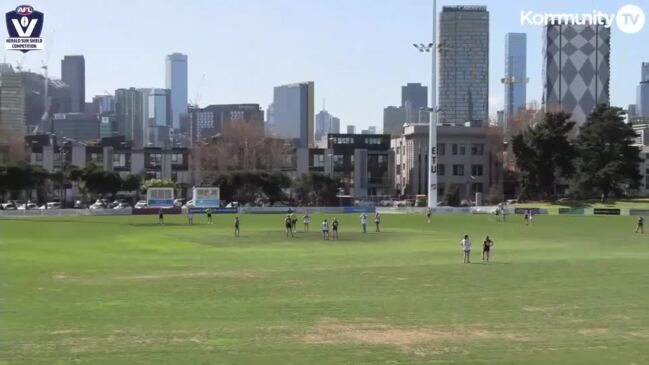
(232, 205)
(50, 205)
(117, 202)
(98, 204)
(79, 205)
(179, 202)
(140, 204)
(27, 206)
(189, 204)
(122, 205)
(11, 205)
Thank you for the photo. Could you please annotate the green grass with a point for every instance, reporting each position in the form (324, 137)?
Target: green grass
(123, 290)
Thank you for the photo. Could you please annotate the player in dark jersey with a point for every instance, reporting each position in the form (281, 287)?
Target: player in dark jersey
(161, 217)
(640, 225)
(334, 227)
(236, 226)
(486, 248)
(288, 222)
(209, 215)
(429, 211)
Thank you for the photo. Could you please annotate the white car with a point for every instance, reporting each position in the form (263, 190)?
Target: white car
(140, 204)
(97, 205)
(190, 204)
(50, 205)
(27, 206)
(122, 205)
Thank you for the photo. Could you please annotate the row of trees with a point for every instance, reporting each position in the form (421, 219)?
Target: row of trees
(599, 161)
(22, 178)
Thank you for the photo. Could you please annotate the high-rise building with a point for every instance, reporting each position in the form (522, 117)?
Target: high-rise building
(73, 73)
(325, 124)
(129, 115)
(642, 93)
(576, 68)
(515, 79)
(12, 116)
(351, 129)
(464, 65)
(413, 98)
(176, 81)
(156, 121)
(293, 113)
(209, 121)
(393, 119)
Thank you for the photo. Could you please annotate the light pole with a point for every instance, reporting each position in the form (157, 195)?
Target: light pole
(432, 129)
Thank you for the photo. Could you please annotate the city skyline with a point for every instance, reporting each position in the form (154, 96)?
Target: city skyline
(357, 75)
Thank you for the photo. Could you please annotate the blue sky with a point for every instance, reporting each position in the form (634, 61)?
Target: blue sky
(358, 52)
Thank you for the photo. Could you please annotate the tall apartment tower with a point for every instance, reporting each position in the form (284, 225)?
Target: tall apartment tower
(293, 113)
(515, 79)
(464, 65)
(176, 81)
(576, 68)
(73, 73)
(642, 93)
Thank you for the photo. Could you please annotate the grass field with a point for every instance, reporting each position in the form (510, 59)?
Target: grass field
(123, 290)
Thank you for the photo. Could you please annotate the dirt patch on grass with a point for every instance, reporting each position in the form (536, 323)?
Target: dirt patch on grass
(418, 340)
(593, 332)
(550, 308)
(244, 275)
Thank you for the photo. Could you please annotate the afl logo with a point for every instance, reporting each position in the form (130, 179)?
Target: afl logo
(24, 10)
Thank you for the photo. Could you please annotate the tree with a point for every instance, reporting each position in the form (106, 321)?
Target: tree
(608, 162)
(132, 183)
(544, 154)
(452, 196)
(316, 189)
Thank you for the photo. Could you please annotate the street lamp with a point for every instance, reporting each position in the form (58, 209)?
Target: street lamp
(432, 129)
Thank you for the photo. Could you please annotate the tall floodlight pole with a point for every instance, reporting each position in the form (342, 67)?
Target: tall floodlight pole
(432, 129)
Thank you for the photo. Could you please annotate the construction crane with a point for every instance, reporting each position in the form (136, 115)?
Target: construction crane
(46, 84)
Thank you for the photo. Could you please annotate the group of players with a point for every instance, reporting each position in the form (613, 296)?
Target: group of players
(290, 223)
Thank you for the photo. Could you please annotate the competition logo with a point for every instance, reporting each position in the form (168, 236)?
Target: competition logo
(24, 25)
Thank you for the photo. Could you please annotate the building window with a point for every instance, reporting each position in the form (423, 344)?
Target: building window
(398, 150)
(97, 157)
(458, 170)
(441, 149)
(38, 157)
(441, 169)
(318, 160)
(177, 159)
(398, 169)
(343, 140)
(119, 160)
(339, 160)
(372, 140)
(477, 149)
(454, 148)
(155, 159)
(476, 170)
(462, 149)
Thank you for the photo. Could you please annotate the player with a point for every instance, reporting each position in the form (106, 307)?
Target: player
(190, 216)
(161, 217)
(334, 226)
(288, 222)
(486, 247)
(236, 226)
(209, 215)
(294, 223)
(307, 220)
(527, 217)
(364, 222)
(640, 225)
(466, 247)
(429, 211)
(325, 230)
(377, 221)
(530, 217)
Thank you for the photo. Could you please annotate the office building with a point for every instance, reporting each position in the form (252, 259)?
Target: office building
(393, 120)
(351, 129)
(156, 121)
(413, 99)
(465, 159)
(129, 114)
(576, 68)
(73, 73)
(12, 116)
(80, 127)
(464, 65)
(642, 92)
(362, 163)
(209, 121)
(293, 113)
(176, 82)
(515, 79)
(325, 124)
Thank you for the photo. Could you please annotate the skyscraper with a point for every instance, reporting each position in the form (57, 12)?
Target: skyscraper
(642, 93)
(413, 98)
(576, 68)
(351, 129)
(393, 119)
(129, 114)
(73, 73)
(12, 116)
(515, 79)
(293, 112)
(325, 124)
(176, 81)
(464, 65)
